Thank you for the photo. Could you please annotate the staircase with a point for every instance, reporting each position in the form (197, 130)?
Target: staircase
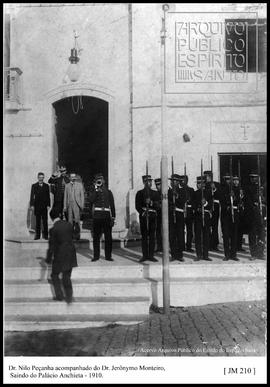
(120, 292)
(103, 295)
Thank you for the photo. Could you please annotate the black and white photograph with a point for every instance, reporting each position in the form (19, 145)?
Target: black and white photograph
(135, 193)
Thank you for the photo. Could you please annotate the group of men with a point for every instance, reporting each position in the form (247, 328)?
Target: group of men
(66, 213)
(197, 213)
(68, 204)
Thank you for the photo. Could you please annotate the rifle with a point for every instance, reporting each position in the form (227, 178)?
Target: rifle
(212, 189)
(173, 191)
(147, 197)
(241, 205)
(202, 193)
(186, 192)
(231, 190)
(259, 186)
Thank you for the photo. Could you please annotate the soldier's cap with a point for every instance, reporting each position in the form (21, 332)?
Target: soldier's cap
(226, 175)
(210, 173)
(183, 177)
(235, 177)
(62, 168)
(199, 179)
(158, 180)
(253, 173)
(98, 176)
(146, 178)
(175, 176)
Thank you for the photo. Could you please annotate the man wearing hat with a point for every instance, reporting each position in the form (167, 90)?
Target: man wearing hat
(62, 255)
(188, 213)
(146, 203)
(230, 202)
(242, 220)
(103, 213)
(202, 206)
(176, 202)
(214, 186)
(255, 204)
(58, 181)
(159, 217)
(74, 203)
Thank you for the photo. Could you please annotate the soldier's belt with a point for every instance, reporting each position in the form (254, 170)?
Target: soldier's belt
(102, 209)
(179, 209)
(208, 211)
(149, 209)
(189, 205)
(216, 201)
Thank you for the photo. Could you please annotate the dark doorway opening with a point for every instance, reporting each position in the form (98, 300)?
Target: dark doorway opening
(248, 162)
(82, 138)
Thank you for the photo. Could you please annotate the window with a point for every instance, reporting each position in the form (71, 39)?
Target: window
(246, 41)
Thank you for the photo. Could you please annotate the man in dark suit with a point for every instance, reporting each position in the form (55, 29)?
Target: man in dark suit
(214, 187)
(202, 206)
(58, 182)
(62, 254)
(159, 217)
(103, 212)
(176, 202)
(40, 203)
(146, 203)
(188, 211)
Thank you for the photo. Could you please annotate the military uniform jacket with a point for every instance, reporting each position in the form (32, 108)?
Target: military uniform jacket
(251, 202)
(188, 194)
(216, 192)
(225, 199)
(197, 201)
(140, 201)
(102, 203)
(61, 247)
(40, 197)
(180, 199)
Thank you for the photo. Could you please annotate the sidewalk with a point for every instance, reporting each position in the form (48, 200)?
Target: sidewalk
(231, 329)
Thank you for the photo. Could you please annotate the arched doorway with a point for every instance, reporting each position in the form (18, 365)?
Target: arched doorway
(81, 133)
(81, 129)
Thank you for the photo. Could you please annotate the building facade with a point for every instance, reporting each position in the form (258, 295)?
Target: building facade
(109, 118)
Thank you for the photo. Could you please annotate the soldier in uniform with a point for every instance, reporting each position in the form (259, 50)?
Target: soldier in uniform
(58, 183)
(176, 201)
(241, 225)
(146, 203)
(230, 201)
(254, 203)
(214, 186)
(188, 211)
(159, 217)
(202, 205)
(103, 212)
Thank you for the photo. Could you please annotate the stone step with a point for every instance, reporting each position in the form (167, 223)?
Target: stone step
(108, 270)
(82, 305)
(104, 269)
(73, 321)
(85, 287)
(42, 244)
(85, 242)
(209, 290)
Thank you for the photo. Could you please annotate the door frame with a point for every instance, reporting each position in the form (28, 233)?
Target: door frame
(87, 90)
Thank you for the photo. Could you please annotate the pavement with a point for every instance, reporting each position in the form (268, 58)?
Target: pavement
(230, 329)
